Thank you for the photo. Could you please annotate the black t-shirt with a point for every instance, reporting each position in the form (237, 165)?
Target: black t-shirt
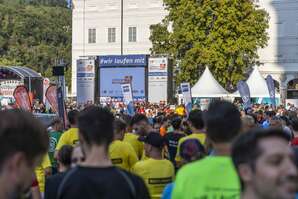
(172, 140)
(52, 185)
(103, 183)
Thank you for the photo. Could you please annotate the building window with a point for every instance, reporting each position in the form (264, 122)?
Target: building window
(132, 34)
(92, 36)
(112, 35)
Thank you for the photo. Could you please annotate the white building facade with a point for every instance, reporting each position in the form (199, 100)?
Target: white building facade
(97, 31)
(97, 28)
(280, 57)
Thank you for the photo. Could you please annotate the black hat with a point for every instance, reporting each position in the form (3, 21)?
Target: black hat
(154, 139)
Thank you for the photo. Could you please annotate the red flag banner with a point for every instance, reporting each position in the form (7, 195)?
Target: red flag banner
(22, 98)
(51, 95)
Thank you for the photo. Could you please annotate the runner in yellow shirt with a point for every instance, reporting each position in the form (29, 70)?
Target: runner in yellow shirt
(121, 153)
(132, 138)
(196, 124)
(180, 110)
(70, 137)
(155, 171)
(141, 127)
(138, 146)
(42, 171)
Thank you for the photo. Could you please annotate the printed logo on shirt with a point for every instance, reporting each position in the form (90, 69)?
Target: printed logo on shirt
(52, 144)
(160, 180)
(75, 142)
(117, 161)
(218, 196)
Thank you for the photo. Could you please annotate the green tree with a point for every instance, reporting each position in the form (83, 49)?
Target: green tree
(35, 36)
(223, 34)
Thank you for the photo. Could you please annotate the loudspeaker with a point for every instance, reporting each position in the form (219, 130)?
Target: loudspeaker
(58, 71)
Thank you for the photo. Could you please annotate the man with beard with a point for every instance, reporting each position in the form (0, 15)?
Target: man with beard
(23, 143)
(265, 164)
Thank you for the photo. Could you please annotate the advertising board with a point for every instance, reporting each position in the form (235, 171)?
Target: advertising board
(85, 81)
(157, 79)
(111, 80)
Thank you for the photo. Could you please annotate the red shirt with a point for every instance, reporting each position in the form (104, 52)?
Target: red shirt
(294, 142)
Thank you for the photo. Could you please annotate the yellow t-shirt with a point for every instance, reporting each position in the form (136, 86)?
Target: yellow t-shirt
(138, 146)
(40, 172)
(156, 175)
(180, 111)
(69, 137)
(199, 136)
(122, 155)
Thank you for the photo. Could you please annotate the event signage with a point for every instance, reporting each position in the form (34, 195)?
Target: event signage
(46, 84)
(117, 70)
(7, 87)
(61, 105)
(128, 98)
(51, 95)
(157, 79)
(22, 98)
(127, 93)
(186, 92)
(122, 60)
(244, 93)
(85, 81)
(271, 89)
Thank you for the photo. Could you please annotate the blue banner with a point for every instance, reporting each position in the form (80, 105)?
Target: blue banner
(188, 108)
(245, 93)
(271, 89)
(123, 60)
(61, 105)
(111, 80)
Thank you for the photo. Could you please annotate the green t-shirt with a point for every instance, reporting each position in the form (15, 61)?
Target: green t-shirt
(54, 139)
(213, 177)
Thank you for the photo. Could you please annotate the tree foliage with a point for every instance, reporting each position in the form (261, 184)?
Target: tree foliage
(223, 34)
(60, 3)
(34, 35)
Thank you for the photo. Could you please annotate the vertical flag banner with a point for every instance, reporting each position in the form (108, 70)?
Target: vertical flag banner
(61, 105)
(51, 95)
(85, 81)
(46, 84)
(22, 98)
(271, 89)
(244, 93)
(128, 98)
(186, 92)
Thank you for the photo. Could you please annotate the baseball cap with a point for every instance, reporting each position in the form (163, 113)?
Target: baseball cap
(154, 139)
(191, 149)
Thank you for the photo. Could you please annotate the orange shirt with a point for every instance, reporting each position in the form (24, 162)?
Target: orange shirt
(163, 131)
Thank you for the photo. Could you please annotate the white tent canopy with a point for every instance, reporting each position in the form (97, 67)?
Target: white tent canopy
(257, 85)
(208, 87)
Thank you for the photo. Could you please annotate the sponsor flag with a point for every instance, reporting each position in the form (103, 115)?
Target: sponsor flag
(244, 93)
(61, 106)
(22, 98)
(51, 95)
(271, 89)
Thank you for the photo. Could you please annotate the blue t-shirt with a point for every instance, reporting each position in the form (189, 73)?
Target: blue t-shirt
(167, 192)
(266, 124)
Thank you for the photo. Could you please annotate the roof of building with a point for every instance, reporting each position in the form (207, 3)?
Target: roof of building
(21, 71)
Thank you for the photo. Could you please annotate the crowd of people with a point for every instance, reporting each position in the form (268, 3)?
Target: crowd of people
(160, 152)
